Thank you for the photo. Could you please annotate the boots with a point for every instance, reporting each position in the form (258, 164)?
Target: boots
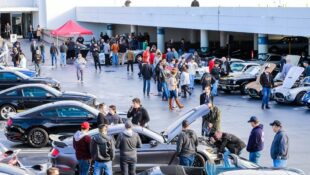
(170, 104)
(179, 104)
(263, 106)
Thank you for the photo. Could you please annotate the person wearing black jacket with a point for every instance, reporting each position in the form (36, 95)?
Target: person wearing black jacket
(215, 74)
(227, 144)
(147, 74)
(138, 114)
(101, 118)
(256, 140)
(95, 52)
(102, 150)
(15, 57)
(206, 97)
(266, 80)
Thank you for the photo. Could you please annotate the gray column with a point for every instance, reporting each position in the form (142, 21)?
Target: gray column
(308, 46)
(110, 29)
(223, 39)
(133, 29)
(255, 37)
(161, 39)
(262, 44)
(192, 36)
(204, 41)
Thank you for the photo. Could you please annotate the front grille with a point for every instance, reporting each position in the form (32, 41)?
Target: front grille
(279, 95)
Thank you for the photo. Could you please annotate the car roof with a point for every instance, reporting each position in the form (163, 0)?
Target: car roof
(14, 72)
(25, 85)
(8, 169)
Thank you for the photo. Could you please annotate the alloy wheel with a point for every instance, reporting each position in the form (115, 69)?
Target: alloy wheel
(7, 111)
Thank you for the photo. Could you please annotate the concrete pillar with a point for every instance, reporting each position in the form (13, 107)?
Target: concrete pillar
(161, 39)
(204, 41)
(110, 29)
(133, 29)
(223, 39)
(262, 44)
(309, 47)
(192, 36)
(255, 47)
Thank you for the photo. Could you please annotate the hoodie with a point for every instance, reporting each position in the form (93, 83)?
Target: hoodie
(127, 143)
(187, 143)
(102, 148)
(256, 139)
(81, 144)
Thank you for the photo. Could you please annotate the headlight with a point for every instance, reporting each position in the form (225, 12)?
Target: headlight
(289, 95)
(234, 82)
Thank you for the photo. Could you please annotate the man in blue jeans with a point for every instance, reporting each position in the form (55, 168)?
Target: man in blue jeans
(147, 74)
(102, 151)
(187, 145)
(54, 53)
(266, 80)
(256, 140)
(280, 145)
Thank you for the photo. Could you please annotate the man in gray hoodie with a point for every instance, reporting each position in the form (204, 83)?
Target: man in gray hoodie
(187, 145)
(102, 151)
(128, 142)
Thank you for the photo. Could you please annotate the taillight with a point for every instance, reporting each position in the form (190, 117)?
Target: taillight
(55, 152)
(10, 122)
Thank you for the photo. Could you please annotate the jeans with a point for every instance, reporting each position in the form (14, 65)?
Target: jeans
(83, 167)
(115, 58)
(63, 58)
(191, 79)
(79, 74)
(54, 59)
(129, 63)
(277, 163)
(254, 156)
(173, 94)
(165, 90)
(105, 167)
(146, 86)
(43, 57)
(187, 161)
(97, 63)
(214, 87)
(159, 86)
(128, 167)
(37, 68)
(266, 95)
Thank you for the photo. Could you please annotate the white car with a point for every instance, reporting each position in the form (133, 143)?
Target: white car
(238, 68)
(292, 91)
(267, 171)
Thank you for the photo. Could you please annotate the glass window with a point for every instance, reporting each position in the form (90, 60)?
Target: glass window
(13, 93)
(35, 92)
(8, 76)
(73, 112)
(237, 67)
(49, 113)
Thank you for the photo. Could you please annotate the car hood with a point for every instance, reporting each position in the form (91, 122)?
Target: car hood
(174, 129)
(77, 94)
(45, 79)
(292, 76)
(238, 76)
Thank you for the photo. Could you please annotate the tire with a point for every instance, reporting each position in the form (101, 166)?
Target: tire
(6, 110)
(199, 161)
(37, 137)
(299, 98)
(242, 89)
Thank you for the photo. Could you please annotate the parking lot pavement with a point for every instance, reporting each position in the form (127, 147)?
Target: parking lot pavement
(114, 86)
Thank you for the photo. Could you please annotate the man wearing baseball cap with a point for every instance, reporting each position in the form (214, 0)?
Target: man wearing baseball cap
(81, 144)
(256, 140)
(280, 145)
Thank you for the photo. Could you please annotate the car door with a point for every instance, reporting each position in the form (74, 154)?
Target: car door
(35, 96)
(50, 115)
(8, 79)
(13, 97)
(70, 118)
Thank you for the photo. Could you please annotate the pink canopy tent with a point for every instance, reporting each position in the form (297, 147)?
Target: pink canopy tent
(71, 28)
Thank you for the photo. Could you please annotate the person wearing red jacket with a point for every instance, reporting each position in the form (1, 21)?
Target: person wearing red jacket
(211, 64)
(81, 144)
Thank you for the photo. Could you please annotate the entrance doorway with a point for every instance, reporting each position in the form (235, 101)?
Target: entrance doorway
(4, 19)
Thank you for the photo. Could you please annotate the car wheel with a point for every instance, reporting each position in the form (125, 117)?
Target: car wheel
(6, 111)
(242, 90)
(199, 161)
(298, 99)
(37, 137)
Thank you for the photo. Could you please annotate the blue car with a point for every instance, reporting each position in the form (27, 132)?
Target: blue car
(29, 73)
(306, 99)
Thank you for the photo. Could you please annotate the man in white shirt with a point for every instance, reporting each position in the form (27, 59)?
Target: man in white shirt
(184, 82)
(106, 51)
(192, 67)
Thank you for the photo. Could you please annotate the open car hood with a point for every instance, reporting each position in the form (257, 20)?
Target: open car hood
(291, 77)
(174, 129)
(294, 59)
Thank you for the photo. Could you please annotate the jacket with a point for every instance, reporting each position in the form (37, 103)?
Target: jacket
(81, 144)
(127, 143)
(280, 146)
(231, 142)
(256, 139)
(266, 80)
(147, 71)
(101, 119)
(215, 73)
(185, 80)
(53, 50)
(102, 148)
(139, 116)
(113, 119)
(214, 117)
(63, 48)
(187, 143)
(205, 99)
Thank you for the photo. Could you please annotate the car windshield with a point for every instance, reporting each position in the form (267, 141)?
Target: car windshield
(53, 90)
(253, 70)
(263, 57)
(237, 67)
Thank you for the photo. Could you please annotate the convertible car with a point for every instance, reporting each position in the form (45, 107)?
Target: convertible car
(157, 148)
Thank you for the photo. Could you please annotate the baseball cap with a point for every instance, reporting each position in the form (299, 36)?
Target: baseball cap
(253, 119)
(85, 125)
(128, 124)
(276, 123)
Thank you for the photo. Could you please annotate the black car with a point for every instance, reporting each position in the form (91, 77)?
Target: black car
(35, 125)
(292, 45)
(9, 78)
(27, 96)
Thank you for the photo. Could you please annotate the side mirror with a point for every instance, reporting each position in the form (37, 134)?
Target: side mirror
(48, 95)
(153, 143)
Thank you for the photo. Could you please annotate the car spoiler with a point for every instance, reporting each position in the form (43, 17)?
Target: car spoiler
(57, 139)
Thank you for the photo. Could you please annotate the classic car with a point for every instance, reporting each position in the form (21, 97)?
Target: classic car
(10, 78)
(306, 99)
(22, 97)
(27, 72)
(137, 54)
(292, 91)
(157, 148)
(238, 82)
(238, 68)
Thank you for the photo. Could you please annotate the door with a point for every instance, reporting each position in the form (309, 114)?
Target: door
(14, 97)
(36, 96)
(50, 115)
(17, 23)
(4, 19)
(8, 79)
(70, 118)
